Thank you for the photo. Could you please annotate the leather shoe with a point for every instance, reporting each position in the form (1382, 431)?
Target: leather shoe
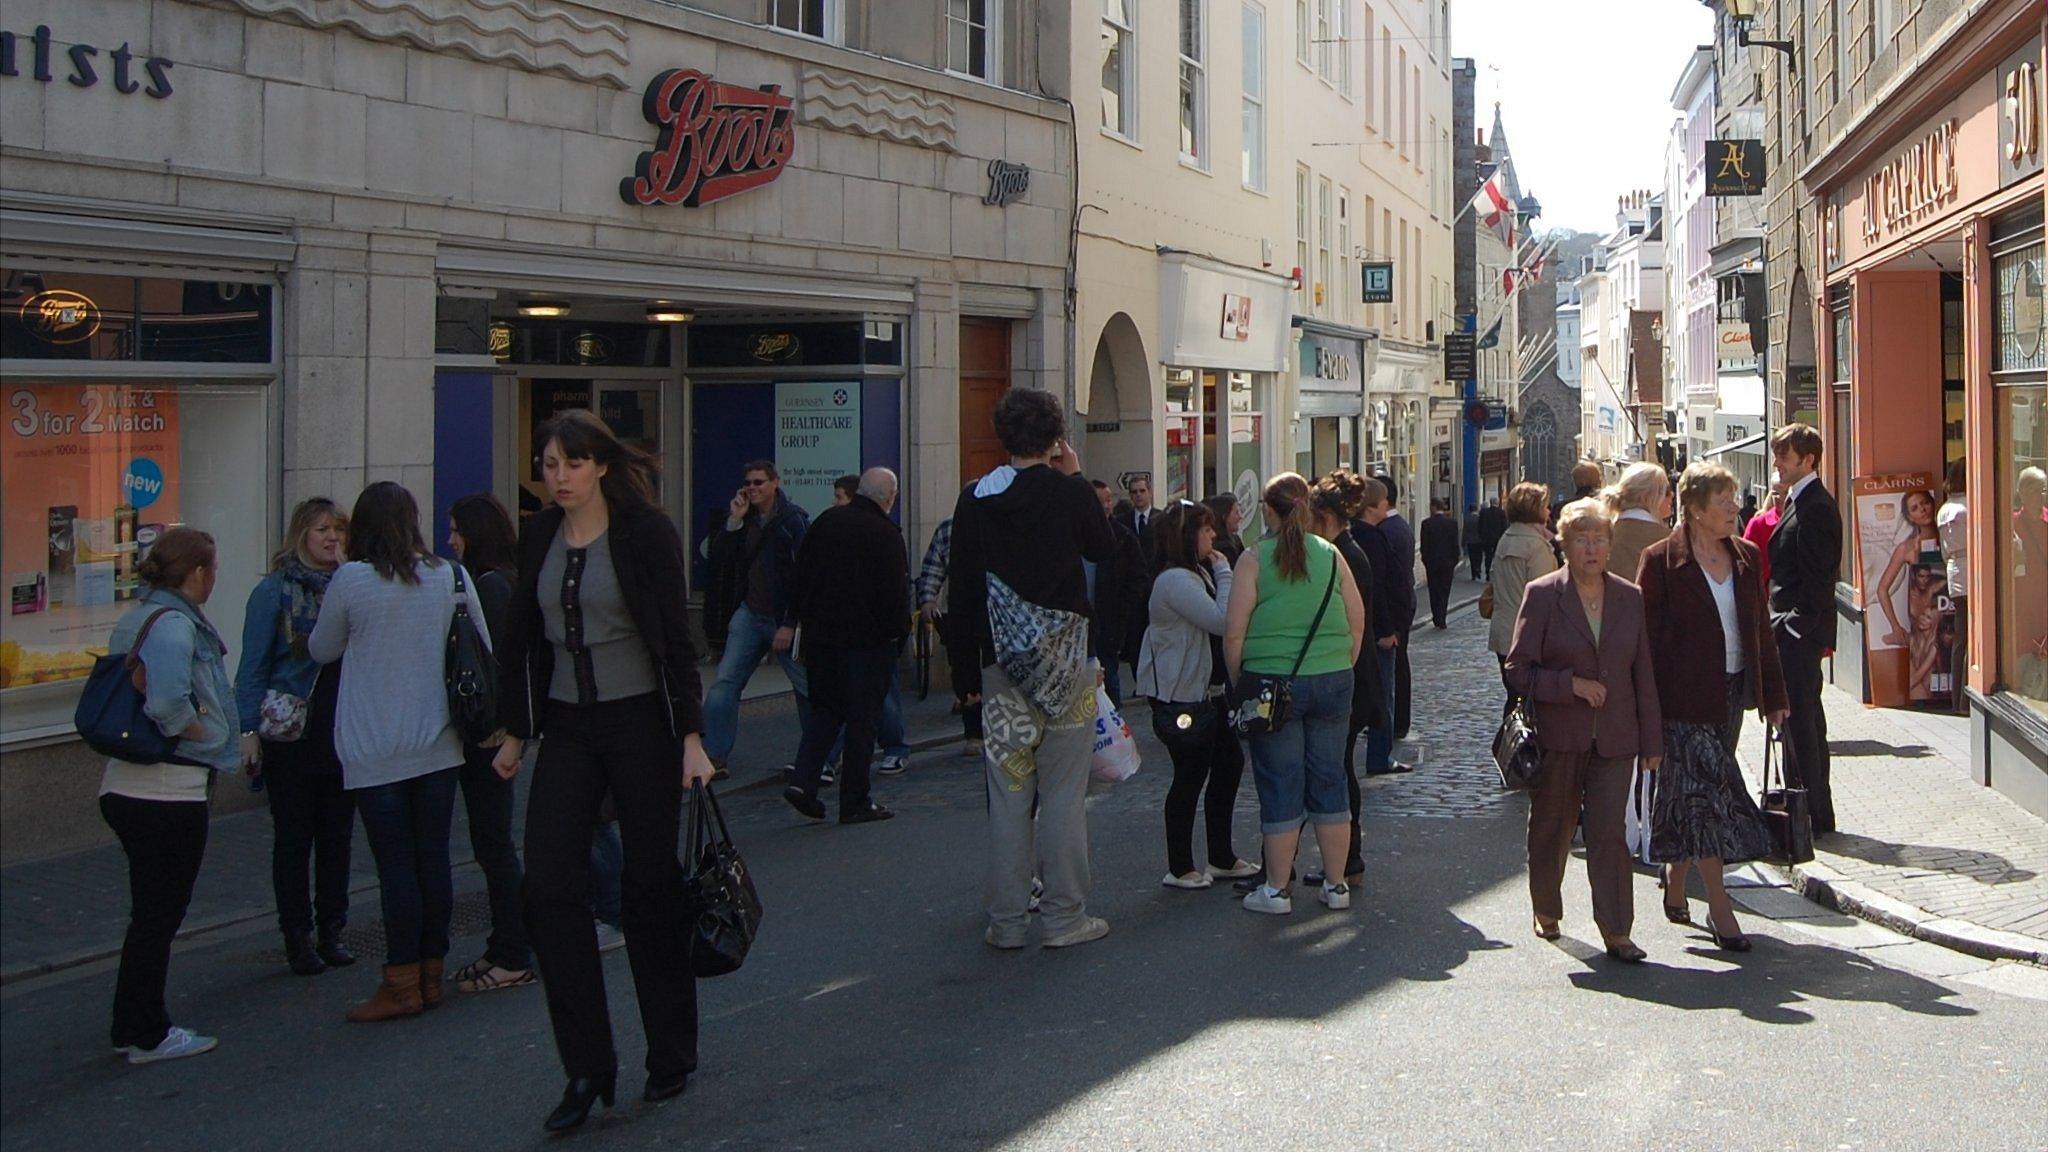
(579, 1097)
(660, 1088)
(1627, 953)
(867, 815)
(804, 802)
(1393, 768)
(1735, 943)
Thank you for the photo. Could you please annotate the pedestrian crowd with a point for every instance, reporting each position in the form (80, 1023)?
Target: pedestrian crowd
(1048, 594)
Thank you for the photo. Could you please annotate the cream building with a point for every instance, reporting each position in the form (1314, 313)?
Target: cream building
(1239, 164)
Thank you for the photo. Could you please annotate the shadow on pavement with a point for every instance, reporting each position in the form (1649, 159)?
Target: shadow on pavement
(1984, 867)
(1769, 984)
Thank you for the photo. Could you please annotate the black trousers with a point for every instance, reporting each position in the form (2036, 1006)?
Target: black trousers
(1205, 753)
(1403, 687)
(1806, 728)
(1475, 555)
(1513, 696)
(847, 687)
(487, 797)
(313, 819)
(1440, 592)
(963, 658)
(165, 841)
(623, 747)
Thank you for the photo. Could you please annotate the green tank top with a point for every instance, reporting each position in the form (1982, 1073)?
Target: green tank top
(1280, 621)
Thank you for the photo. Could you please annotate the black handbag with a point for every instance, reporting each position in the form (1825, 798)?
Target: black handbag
(1785, 808)
(471, 673)
(1516, 753)
(1264, 700)
(110, 717)
(718, 891)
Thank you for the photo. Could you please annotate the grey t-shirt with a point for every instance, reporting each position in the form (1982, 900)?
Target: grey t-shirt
(598, 651)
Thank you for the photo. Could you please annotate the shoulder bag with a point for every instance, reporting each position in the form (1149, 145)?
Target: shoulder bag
(471, 673)
(1516, 753)
(110, 716)
(1486, 602)
(1265, 700)
(719, 901)
(1785, 808)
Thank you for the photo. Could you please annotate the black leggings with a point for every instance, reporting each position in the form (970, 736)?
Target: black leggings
(1205, 753)
(165, 841)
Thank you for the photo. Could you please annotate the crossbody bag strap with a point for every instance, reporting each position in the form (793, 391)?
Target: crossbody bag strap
(1316, 624)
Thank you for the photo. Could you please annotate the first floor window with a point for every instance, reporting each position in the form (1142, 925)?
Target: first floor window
(1325, 286)
(1194, 83)
(1120, 67)
(1252, 138)
(818, 18)
(972, 27)
(1301, 223)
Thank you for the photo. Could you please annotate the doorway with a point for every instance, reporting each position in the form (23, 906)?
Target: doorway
(984, 378)
(632, 406)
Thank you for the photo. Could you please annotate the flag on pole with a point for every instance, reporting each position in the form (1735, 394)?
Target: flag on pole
(1492, 337)
(1495, 210)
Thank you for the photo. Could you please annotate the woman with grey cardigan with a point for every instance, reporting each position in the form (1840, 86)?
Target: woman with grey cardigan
(1179, 672)
(1525, 552)
(389, 609)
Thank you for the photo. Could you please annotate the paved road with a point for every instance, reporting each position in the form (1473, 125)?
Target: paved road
(871, 1016)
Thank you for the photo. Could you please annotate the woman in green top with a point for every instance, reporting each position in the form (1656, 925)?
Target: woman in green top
(1295, 612)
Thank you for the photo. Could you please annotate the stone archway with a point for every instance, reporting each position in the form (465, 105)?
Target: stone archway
(1117, 435)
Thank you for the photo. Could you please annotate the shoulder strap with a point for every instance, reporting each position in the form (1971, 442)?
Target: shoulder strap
(135, 648)
(1316, 625)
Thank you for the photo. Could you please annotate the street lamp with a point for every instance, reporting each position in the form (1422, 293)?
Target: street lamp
(1743, 12)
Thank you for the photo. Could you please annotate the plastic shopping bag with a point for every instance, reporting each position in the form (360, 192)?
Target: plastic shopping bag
(1642, 790)
(1116, 752)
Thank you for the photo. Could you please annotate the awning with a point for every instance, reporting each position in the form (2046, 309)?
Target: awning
(1739, 445)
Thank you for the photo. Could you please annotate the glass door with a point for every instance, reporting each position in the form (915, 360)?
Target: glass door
(631, 407)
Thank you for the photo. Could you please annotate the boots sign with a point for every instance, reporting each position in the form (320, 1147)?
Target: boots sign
(717, 140)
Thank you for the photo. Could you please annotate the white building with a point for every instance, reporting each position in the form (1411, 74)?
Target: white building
(1621, 295)
(1691, 338)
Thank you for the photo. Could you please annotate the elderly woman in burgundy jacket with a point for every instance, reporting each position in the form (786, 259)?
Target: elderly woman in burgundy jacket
(1704, 593)
(1581, 655)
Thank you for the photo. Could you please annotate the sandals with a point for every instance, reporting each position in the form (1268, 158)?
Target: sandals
(481, 975)
(1237, 871)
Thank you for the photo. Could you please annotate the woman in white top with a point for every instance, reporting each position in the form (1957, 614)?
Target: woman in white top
(159, 810)
(1953, 523)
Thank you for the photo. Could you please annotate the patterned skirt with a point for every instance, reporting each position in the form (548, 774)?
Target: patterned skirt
(1702, 807)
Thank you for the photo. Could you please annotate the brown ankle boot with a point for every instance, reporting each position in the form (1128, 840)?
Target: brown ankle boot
(398, 995)
(430, 983)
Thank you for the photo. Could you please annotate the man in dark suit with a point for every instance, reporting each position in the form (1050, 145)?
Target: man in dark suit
(1401, 541)
(1493, 524)
(1138, 516)
(1118, 590)
(1806, 555)
(1440, 558)
(1475, 550)
(1388, 624)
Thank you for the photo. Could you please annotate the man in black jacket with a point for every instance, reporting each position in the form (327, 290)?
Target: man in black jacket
(762, 532)
(1475, 550)
(1493, 524)
(851, 595)
(1806, 556)
(1440, 558)
(1391, 585)
(1401, 539)
(1020, 535)
(1119, 591)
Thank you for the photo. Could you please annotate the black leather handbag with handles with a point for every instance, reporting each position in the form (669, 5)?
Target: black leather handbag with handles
(1516, 754)
(1784, 807)
(719, 900)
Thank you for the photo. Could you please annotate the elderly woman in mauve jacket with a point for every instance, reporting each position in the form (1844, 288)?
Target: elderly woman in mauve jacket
(1581, 655)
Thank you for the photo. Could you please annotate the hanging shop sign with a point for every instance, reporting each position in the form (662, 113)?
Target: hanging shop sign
(1735, 167)
(1461, 356)
(717, 140)
(817, 439)
(1376, 282)
(1007, 183)
(84, 65)
(2019, 116)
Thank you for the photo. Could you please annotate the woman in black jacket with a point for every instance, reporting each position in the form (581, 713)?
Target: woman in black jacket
(1337, 500)
(597, 654)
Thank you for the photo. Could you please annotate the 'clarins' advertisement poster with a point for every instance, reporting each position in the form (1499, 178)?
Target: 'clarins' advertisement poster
(91, 477)
(1908, 622)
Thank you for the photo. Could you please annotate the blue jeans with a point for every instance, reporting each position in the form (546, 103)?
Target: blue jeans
(407, 825)
(889, 732)
(488, 799)
(747, 638)
(1379, 739)
(1300, 769)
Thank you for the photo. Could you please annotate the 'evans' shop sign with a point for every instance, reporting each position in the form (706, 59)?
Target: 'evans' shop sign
(717, 140)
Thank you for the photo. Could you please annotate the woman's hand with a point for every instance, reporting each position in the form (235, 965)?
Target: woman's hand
(1777, 718)
(1390, 641)
(1591, 691)
(1652, 763)
(506, 762)
(697, 767)
(252, 754)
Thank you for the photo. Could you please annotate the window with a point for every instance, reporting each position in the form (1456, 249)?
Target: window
(1371, 110)
(818, 18)
(1401, 272)
(1387, 83)
(1346, 284)
(1301, 221)
(2020, 458)
(1323, 44)
(973, 38)
(1326, 286)
(1884, 24)
(1838, 453)
(158, 417)
(1401, 128)
(1841, 47)
(1194, 83)
(1120, 68)
(1301, 32)
(1414, 125)
(1343, 46)
(1252, 138)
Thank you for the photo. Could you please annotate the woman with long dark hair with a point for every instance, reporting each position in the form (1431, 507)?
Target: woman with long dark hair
(389, 609)
(1178, 673)
(598, 656)
(287, 701)
(481, 536)
(1229, 524)
(159, 810)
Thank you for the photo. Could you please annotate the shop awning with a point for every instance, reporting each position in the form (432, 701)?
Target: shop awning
(1747, 442)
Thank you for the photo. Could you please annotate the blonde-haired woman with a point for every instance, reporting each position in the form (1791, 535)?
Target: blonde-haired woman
(1643, 499)
(1710, 635)
(1295, 616)
(287, 705)
(1581, 654)
(1523, 554)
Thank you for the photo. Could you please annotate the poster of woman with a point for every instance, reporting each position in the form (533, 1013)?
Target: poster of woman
(1905, 590)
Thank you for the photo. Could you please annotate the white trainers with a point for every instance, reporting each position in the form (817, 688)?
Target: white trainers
(1090, 928)
(1337, 896)
(1191, 880)
(177, 1044)
(1270, 900)
(609, 939)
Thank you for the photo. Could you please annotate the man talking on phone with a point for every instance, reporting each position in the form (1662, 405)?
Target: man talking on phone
(762, 532)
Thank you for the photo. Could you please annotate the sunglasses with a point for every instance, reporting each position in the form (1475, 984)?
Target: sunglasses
(757, 483)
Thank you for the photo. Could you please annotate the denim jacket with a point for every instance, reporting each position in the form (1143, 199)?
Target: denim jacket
(187, 677)
(267, 657)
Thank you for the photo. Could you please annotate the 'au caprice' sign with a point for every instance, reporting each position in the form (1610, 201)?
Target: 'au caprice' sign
(717, 140)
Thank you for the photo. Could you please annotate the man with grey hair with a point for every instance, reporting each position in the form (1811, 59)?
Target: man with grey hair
(851, 595)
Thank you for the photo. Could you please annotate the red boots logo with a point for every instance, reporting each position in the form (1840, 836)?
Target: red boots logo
(717, 140)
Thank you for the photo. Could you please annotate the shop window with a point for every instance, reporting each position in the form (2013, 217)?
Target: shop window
(63, 315)
(1836, 457)
(973, 38)
(2020, 455)
(1120, 68)
(1182, 419)
(1233, 428)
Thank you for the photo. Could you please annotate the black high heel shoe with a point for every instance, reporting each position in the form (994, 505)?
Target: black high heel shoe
(1679, 913)
(577, 1099)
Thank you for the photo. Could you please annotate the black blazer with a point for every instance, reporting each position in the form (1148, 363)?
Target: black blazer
(1439, 542)
(852, 583)
(1806, 560)
(647, 555)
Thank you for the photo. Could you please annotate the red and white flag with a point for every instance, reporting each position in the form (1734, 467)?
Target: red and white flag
(1493, 207)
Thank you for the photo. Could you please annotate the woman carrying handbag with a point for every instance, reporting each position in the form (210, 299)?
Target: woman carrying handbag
(597, 655)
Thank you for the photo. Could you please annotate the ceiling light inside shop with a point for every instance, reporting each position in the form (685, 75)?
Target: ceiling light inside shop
(544, 309)
(669, 314)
